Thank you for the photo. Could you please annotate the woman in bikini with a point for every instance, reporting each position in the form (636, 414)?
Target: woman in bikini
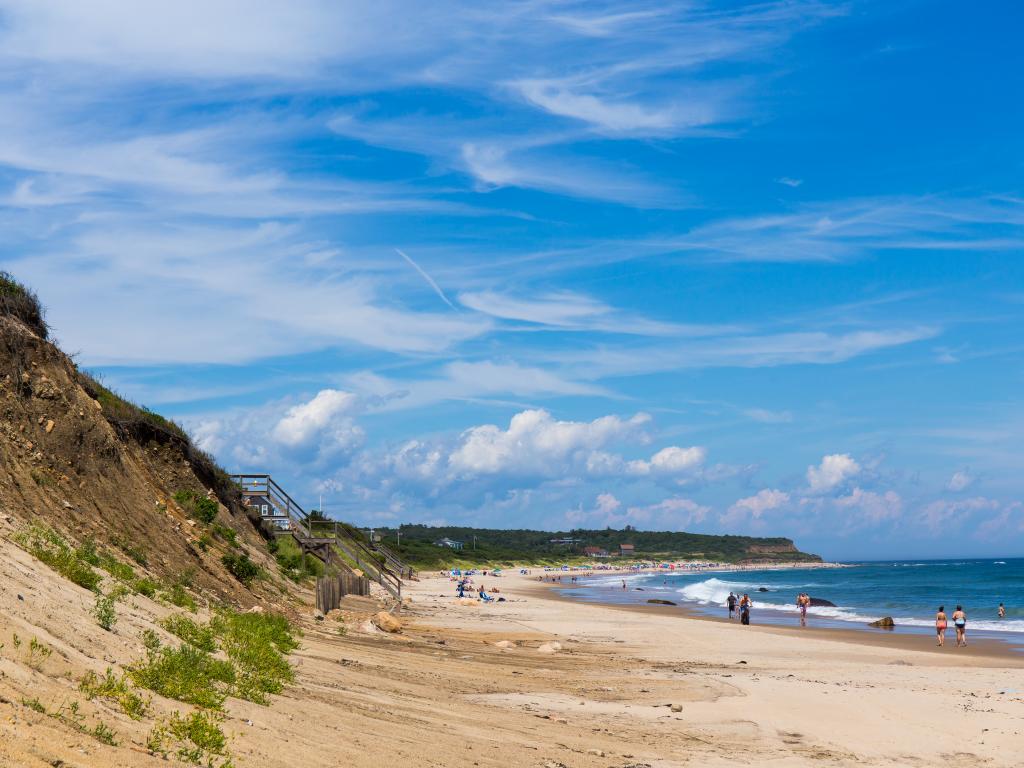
(960, 622)
(940, 624)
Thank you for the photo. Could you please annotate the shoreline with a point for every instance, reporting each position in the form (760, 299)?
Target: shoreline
(984, 647)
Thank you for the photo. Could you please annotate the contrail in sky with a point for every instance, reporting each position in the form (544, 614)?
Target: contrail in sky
(428, 278)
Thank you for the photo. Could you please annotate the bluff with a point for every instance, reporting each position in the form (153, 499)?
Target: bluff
(79, 460)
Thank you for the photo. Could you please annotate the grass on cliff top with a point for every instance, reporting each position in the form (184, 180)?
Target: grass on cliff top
(143, 425)
(19, 301)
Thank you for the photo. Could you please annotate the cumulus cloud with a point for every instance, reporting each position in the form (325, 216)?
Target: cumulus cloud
(753, 507)
(834, 470)
(870, 508)
(960, 481)
(327, 411)
(279, 437)
(536, 443)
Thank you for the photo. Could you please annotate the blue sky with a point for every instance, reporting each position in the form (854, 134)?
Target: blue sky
(742, 267)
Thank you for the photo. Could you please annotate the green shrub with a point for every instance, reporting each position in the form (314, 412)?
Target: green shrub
(200, 635)
(117, 569)
(197, 505)
(50, 547)
(187, 674)
(228, 534)
(135, 553)
(177, 595)
(35, 705)
(116, 689)
(37, 653)
(88, 553)
(197, 739)
(242, 568)
(145, 586)
(104, 611)
(104, 734)
(257, 643)
(293, 563)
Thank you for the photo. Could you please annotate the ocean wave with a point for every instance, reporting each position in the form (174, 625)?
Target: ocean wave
(715, 591)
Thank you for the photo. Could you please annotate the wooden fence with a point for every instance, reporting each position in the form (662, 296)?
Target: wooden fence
(330, 589)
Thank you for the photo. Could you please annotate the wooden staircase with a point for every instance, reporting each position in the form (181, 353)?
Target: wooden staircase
(327, 540)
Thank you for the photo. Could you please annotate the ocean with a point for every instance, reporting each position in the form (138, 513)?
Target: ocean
(909, 591)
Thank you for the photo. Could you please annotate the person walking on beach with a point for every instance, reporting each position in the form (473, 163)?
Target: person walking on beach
(731, 602)
(940, 625)
(802, 601)
(745, 609)
(960, 622)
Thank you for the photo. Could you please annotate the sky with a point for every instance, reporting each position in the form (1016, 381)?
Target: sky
(719, 267)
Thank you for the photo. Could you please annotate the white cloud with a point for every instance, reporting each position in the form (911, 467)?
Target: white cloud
(327, 415)
(834, 470)
(789, 182)
(960, 481)
(615, 116)
(945, 516)
(673, 514)
(672, 460)
(768, 417)
(870, 508)
(535, 443)
(607, 503)
(754, 507)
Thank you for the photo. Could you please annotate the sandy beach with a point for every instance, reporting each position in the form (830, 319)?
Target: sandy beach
(536, 681)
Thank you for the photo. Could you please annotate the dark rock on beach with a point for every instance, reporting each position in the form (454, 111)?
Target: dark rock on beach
(886, 623)
(660, 602)
(822, 603)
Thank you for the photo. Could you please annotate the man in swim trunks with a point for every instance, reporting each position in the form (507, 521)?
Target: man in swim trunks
(731, 602)
(803, 600)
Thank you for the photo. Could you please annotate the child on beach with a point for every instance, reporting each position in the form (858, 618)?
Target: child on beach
(940, 625)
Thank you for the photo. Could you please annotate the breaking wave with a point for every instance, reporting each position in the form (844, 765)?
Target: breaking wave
(715, 591)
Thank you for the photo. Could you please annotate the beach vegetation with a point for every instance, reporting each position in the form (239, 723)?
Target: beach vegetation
(116, 689)
(104, 611)
(197, 505)
(197, 738)
(242, 567)
(293, 563)
(236, 654)
(38, 653)
(48, 546)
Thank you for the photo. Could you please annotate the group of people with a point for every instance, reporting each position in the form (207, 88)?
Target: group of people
(959, 623)
(462, 584)
(741, 606)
